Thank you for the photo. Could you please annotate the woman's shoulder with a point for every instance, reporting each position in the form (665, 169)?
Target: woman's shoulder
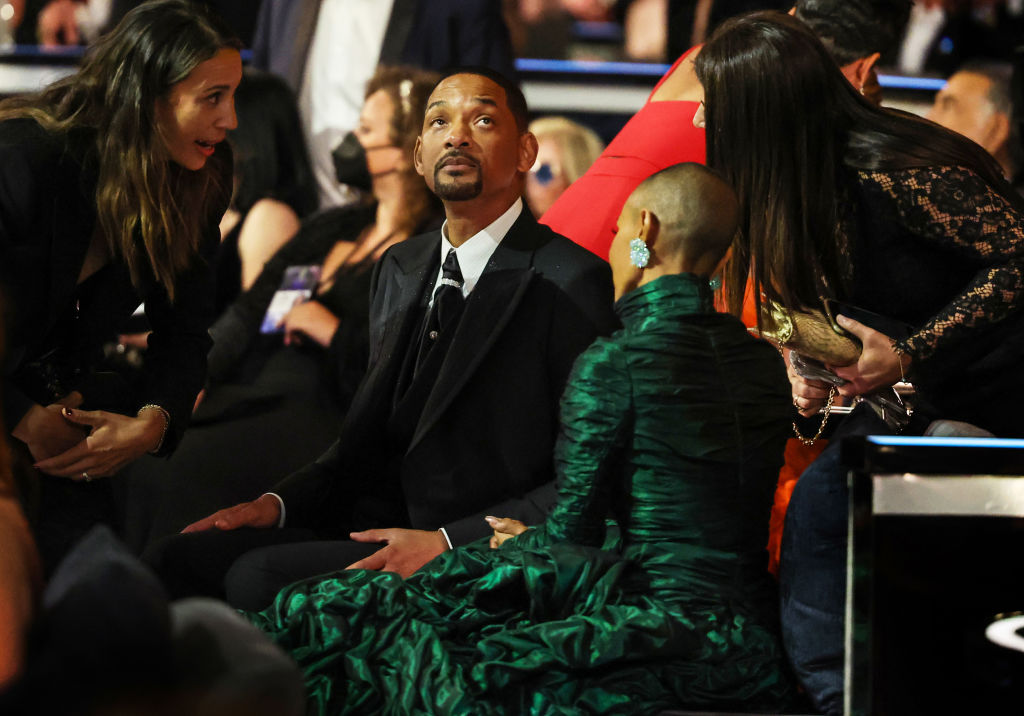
(606, 359)
(271, 215)
(24, 137)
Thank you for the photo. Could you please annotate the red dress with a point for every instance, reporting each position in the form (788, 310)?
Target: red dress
(659, 135)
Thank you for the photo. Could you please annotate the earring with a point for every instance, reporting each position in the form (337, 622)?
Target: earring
(715, 283)
(639, 254)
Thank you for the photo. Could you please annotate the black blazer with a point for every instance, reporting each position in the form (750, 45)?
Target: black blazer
(484, 441)
(430, 34)
(47, 218)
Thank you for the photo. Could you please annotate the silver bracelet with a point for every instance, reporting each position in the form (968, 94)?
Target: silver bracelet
(167, 423)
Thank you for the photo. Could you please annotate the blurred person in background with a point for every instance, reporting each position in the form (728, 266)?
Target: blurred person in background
(274, 185)
(976, 102)
(944, 34)
(57, 23)
(565, 150)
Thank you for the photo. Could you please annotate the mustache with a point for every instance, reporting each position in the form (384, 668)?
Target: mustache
(454, 154)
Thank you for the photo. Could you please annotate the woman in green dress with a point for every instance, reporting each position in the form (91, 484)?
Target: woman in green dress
(675, 428)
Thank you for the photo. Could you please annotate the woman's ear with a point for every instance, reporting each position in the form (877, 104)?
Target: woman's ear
(650, 229)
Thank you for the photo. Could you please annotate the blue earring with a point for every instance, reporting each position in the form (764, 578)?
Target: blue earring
(715, 283)
(639, 254)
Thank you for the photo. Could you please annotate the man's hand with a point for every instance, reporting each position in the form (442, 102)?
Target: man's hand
(504, 528)
(262, 512)
(879, 366)
(406, 551)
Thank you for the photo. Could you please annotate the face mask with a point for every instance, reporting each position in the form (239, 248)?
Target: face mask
(350, 163)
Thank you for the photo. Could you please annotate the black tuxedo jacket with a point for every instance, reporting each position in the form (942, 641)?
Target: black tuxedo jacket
(430, 34)
(484, 441)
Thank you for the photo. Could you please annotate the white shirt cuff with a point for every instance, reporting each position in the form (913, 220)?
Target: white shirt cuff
(441, 530)
(280, 502)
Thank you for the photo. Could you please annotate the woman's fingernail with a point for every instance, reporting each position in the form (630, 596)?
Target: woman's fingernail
(490, 520)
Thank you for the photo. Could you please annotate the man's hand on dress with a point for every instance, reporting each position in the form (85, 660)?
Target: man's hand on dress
(406, 550)
(264, 511)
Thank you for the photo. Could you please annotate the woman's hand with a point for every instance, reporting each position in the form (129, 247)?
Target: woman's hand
(310, 320)
(114, 441)
(809, 396)
(46, 433)
(879, 366)
(504, 528)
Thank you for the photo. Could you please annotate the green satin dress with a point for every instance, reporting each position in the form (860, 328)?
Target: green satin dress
(674, 427)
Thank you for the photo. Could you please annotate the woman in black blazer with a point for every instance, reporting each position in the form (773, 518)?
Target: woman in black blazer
(112, 184)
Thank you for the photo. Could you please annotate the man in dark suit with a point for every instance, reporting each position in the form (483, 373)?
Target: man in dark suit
(457, 416)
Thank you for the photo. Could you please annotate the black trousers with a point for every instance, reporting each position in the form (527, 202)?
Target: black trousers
(247, 567)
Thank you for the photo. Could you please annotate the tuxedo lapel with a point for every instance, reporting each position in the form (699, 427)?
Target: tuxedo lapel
(396, 313)
(403, 12)
(488, 310)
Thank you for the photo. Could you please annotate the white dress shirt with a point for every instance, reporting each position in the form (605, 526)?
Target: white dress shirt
(476, 251)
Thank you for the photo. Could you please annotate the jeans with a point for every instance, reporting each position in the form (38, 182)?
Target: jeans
(812, 568)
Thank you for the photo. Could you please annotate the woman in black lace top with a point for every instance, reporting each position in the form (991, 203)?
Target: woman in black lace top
(885, 212)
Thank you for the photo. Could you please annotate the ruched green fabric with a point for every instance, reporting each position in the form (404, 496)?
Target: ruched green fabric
(674, 427)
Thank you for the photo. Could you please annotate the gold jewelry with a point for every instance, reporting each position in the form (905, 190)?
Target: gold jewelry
(167, 423)
(824, 419)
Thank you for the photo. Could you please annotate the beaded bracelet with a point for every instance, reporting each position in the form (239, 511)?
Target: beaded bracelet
(167, 423)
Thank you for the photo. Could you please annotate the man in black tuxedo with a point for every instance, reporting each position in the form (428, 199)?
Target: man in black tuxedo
(457, 416)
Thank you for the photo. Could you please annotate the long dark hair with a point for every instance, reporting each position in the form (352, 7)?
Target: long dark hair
(408, 88)
(784, 127)
(114, 93)
(270, 152)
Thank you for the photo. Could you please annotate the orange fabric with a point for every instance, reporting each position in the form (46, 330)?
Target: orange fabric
(798, 457)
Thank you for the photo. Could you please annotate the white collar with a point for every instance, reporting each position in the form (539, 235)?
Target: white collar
(476, 251)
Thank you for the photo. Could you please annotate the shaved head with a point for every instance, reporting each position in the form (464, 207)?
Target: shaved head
(697, 213)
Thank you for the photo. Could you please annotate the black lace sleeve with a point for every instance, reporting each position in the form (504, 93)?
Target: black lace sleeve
(954, 207)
